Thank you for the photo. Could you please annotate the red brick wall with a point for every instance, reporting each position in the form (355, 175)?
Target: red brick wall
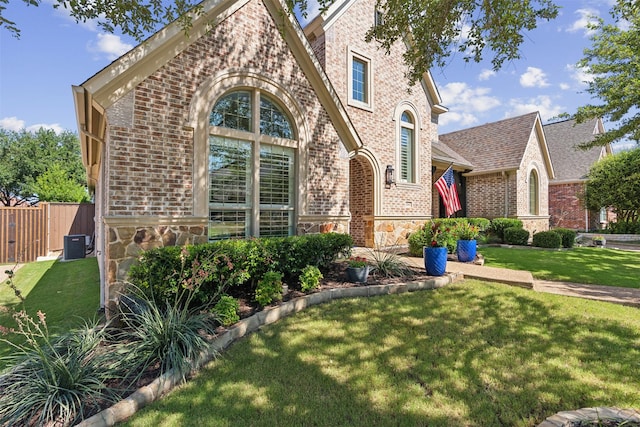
(567, 210)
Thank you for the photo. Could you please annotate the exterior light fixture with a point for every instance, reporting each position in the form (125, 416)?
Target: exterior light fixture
(388, 177)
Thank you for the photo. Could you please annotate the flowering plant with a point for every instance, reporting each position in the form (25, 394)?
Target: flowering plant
(440, 235)
(466, 231)
(357, 262)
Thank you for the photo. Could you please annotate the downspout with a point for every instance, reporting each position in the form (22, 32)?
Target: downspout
(505, 176)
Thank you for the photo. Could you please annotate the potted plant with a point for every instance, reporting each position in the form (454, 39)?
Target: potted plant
(435, 254)
(467, 245)
(357, 269)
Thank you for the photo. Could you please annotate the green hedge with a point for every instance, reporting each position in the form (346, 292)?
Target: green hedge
(234, 264)
(568, 236)
(498, 225)
(516, 236)
(547, 239)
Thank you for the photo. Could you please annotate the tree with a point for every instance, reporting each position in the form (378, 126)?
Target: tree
(437, 27)
(614, 62)
(615, 182)
(54, 185)
(27, 155)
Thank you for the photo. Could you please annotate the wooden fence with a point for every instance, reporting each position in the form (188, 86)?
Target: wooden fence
(29, 232)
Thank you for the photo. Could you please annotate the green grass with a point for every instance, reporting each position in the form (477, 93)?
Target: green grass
(595, 266)
(473, 353)
(66, 292)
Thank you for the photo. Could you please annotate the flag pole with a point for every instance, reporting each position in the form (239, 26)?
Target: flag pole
(445, 171)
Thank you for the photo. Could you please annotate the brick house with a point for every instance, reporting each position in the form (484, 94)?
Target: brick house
(572, 166)
(503, 170)
(250, 127)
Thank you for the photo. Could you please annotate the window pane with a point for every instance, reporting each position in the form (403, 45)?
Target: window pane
(533, 193)
(276, 190)
(359, 80)
(273, 121)
(406, 154)
(406, 118)
(229, 187)
(233, 111)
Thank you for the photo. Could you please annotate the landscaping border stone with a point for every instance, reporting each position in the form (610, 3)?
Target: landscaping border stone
(145, 395)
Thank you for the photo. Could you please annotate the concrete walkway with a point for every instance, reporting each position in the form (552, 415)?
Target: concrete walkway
(624, 296)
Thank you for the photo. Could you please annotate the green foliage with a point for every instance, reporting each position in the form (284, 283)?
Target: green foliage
(235, 263)
(624, 227)
(483, 224)
(613, 62)
(310, 278)
(226, 310)
(614, 182)
(387, 263)
(168, 334)
(269, 288)
(466, 231)
(568, 236)
(27, 155)
(438, 232)
(54, 185)
(54, 381)
(498, 226)
(516, 236)
(547, 239)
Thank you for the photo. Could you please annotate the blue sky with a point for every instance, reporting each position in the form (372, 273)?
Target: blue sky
(54, 53)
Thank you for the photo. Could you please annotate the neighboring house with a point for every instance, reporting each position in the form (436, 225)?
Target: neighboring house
(240, 130)
(572, 165)
(510, 172)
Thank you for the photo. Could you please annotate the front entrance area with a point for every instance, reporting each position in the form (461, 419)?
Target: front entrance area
(361, 201)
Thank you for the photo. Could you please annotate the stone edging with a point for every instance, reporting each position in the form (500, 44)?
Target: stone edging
(163, 384)
(565, 418)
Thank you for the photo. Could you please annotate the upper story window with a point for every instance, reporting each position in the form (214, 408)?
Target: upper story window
(378, 18)
(360, 82)
(407, 148)
(533, 193)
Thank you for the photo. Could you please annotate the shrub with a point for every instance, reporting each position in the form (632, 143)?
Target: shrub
(516, 236)
(466, 231)
(483, 224)
(498, 225)
(439, 232)
(226, 310)
(568, 236)
(269, 288)
(55, 381)
(418, 240)
(624, 227)
(547, 239)
(310, 278)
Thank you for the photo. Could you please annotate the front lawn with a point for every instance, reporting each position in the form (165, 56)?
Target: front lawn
(595, 266)
(66, 292)
(473, 353)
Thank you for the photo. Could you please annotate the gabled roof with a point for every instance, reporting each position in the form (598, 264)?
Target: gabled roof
(321, 23)
(498, 146)
(443, 154)
(570, 162)
(103, 89)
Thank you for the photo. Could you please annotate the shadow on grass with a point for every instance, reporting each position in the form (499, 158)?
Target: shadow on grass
(471, 354)
(67, 292)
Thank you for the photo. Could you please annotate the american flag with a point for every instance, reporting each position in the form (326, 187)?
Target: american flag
(448, 193)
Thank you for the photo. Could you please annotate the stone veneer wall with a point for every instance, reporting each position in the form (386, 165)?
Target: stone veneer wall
(390, 232)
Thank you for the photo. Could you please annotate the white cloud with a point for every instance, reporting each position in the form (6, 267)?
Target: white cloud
(564, 86)
(534, 77)
(486, 74)
(463, 120)
(585, 17)
(110, 45)
(624, 145)
(465, 103)
(582, 76)
(12, 123)
(15, 124)
(543, 104)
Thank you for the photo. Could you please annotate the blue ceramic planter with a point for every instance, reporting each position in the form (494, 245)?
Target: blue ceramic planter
(466, 250)
(435, 260)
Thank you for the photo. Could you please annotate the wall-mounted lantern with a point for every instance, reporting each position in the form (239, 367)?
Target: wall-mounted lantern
(388, 177)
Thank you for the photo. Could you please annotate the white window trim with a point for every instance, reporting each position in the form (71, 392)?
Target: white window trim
(533, 170)
(407, 106)
(351, 55)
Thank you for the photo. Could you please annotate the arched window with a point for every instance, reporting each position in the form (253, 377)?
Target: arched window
(251, 173)
(407, 148)
(533, 193)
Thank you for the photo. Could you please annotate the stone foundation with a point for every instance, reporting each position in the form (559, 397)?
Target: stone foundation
(394, 231)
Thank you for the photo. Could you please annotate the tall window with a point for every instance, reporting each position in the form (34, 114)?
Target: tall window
(251, 173)
(533, 193)
(407, 148)
(359, 79)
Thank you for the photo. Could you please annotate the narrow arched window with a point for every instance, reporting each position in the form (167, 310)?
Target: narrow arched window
(533, 193)
(407, 148)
